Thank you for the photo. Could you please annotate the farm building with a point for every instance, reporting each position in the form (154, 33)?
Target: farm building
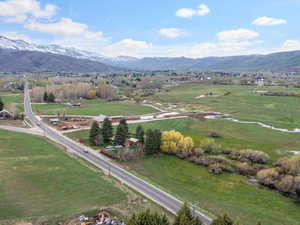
(54, 121)
(6, 115)
(100, 118)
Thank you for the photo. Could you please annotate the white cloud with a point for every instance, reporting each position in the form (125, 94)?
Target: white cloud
(237, 35)
(172, 32)
(239, 43)
(268, 21)
(186, 13)
(16, 19)
(65, 27)
(201, 10)
(291, 45)
(127, 47)
(16, 10)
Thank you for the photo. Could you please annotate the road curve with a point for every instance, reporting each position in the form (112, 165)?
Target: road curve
(155, 194)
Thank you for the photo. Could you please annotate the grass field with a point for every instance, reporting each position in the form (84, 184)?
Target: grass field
(243, 103)
(39, 180)
(7, 99)
(96, 107)
(226, 193)
(234, 135)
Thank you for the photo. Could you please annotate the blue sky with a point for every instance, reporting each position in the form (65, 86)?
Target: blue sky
(191, 28)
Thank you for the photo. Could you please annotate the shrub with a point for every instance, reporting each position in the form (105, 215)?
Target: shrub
(268, 177)
(285, 184)
(227, 151)
(289, 165)
(250, 155)
(245, 169)
(209, 145)
(217, 168)
(198, 152)
(294, 165)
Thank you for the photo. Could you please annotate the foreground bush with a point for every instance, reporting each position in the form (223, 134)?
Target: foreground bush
(285, 184)
(289, 166)
(268, 177)
(245, 169)
(250, 155)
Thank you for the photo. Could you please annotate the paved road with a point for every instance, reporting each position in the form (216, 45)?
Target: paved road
(160, 197)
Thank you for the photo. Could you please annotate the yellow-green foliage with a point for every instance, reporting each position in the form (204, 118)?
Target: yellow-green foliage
(91, 94)
(208, 145)
(174, 142)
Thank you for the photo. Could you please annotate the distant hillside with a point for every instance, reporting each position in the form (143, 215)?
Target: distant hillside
(56, 58)
(34, 61)
(283, 61)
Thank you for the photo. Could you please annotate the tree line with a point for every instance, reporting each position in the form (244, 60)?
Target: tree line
(183, 217)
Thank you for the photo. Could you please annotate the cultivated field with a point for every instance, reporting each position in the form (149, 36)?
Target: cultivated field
(95, 107)
(39, 181)
(242, 102)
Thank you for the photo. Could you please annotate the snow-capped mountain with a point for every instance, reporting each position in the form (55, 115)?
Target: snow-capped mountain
(21, 45)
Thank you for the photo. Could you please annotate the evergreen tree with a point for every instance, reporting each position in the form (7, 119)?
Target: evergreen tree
(45, 98)
(223, 220)
(147, 218)
(123, 122)
(149, 145)
(107, 130)
(1, 104)
(153, 142)
(94, 131)
(51, 98)
(121, 134)
(140, 134)
(184, 216)
(157, 141)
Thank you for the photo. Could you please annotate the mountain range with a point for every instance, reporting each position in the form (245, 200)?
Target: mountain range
(21, 56)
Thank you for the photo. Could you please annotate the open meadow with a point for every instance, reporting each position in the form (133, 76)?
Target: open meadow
(39, 181)
(241, 102)
(227, 193)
